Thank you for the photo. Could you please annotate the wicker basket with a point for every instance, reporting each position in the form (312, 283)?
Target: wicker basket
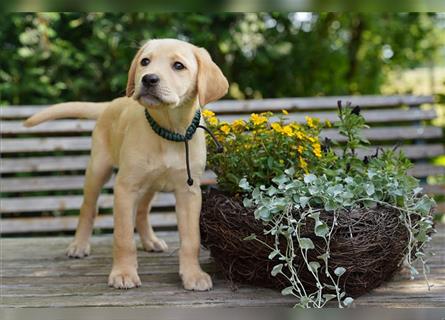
(369, 243)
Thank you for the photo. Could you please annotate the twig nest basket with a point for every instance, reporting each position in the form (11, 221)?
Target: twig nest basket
(369, 243)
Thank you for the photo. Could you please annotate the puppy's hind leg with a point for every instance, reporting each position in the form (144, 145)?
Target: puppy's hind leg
(149, 240)
(98, 172)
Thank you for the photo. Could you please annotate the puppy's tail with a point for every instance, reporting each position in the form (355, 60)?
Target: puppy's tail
(87, 110)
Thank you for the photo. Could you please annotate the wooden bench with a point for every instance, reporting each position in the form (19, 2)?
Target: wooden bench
(42, 175)
(42, 168)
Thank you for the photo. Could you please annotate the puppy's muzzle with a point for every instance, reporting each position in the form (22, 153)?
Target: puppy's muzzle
(150, 80)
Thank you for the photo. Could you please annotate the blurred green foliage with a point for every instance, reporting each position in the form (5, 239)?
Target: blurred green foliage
(51, 57)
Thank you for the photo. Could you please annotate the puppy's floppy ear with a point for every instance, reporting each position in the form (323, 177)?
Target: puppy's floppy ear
(211, 83)
(132, 73)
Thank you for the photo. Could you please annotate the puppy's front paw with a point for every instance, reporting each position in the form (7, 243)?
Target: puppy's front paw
(197, 280)
(78, 250)
(124, 278)
(155, 244)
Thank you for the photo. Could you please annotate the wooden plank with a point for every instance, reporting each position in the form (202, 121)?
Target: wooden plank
(22, 249)
(11, 145)
(84, 126)
(62, 203)
(69, 223)
(371, 116)
(42, 183)
(56, 126)
(440, 209)
(43, 164)
(73, 163)
(53, 183)
(20, 111)
(45, 144)
(370, 101)
(36, 274)
(390, 133)
(414, 152)
(437, 189)
(422, 170)
(235, 106)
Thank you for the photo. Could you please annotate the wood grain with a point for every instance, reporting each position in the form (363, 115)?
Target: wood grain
(246, 106)
(51, 144)
(37, 274)
(8, 128)
(76, 162)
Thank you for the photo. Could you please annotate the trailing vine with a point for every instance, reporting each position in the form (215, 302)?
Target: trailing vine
(291, 201)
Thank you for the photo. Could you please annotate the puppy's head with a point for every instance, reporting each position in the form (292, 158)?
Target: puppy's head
(168, 73)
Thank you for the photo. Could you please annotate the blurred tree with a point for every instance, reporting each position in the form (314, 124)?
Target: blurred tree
(51, 57)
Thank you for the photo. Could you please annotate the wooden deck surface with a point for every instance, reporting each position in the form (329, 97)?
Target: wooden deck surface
(35, 273)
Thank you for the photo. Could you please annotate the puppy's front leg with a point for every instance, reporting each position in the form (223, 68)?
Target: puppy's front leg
(124, 272)
(188, 210)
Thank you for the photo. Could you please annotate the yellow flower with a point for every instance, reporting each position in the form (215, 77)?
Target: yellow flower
(276, 127)
(213, 121)
(287, 130)
(316, 149)
(285, 112)
(257, 119)
(310, 122)
(300, 135)
(311, 139)
(303, 164)
(328, 123)
(300, 149)
(208, 114)
(225, 128)
(238, 124)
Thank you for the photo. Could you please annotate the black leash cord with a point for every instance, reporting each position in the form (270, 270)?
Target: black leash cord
(219, 147)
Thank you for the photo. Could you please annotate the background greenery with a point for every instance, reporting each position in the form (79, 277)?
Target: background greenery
(51, 57)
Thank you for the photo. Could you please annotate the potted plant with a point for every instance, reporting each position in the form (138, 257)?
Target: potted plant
(309, 216)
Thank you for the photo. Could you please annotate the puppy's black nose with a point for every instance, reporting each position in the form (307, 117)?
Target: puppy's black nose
(150, 80)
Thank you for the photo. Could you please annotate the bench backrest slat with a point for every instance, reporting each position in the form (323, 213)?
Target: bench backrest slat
(42, 168)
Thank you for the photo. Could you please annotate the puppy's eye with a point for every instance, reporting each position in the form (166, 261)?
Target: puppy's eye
(145, 62)
(178, 66)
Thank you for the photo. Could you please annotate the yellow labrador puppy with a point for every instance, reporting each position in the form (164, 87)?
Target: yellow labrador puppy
(170, 79)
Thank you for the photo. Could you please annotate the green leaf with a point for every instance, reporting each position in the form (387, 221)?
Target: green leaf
(348, 301)
(349, 180)
(290, 171)
(262, 213)
(244, 184)
(247, 202)
(339, 271)
(417, 190)
(371, 173)
(281, 179)
(272, 191)
(424, 205)
(304, 201)
(287, 291)
(329, 297)
(314, 266)
(309, 178)
(251, 237)
(270, 162)
(273, 254)
(330, 205)
(276, 270)
(306, 243)
(321, 229)
(313, 190)
(369, 188)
